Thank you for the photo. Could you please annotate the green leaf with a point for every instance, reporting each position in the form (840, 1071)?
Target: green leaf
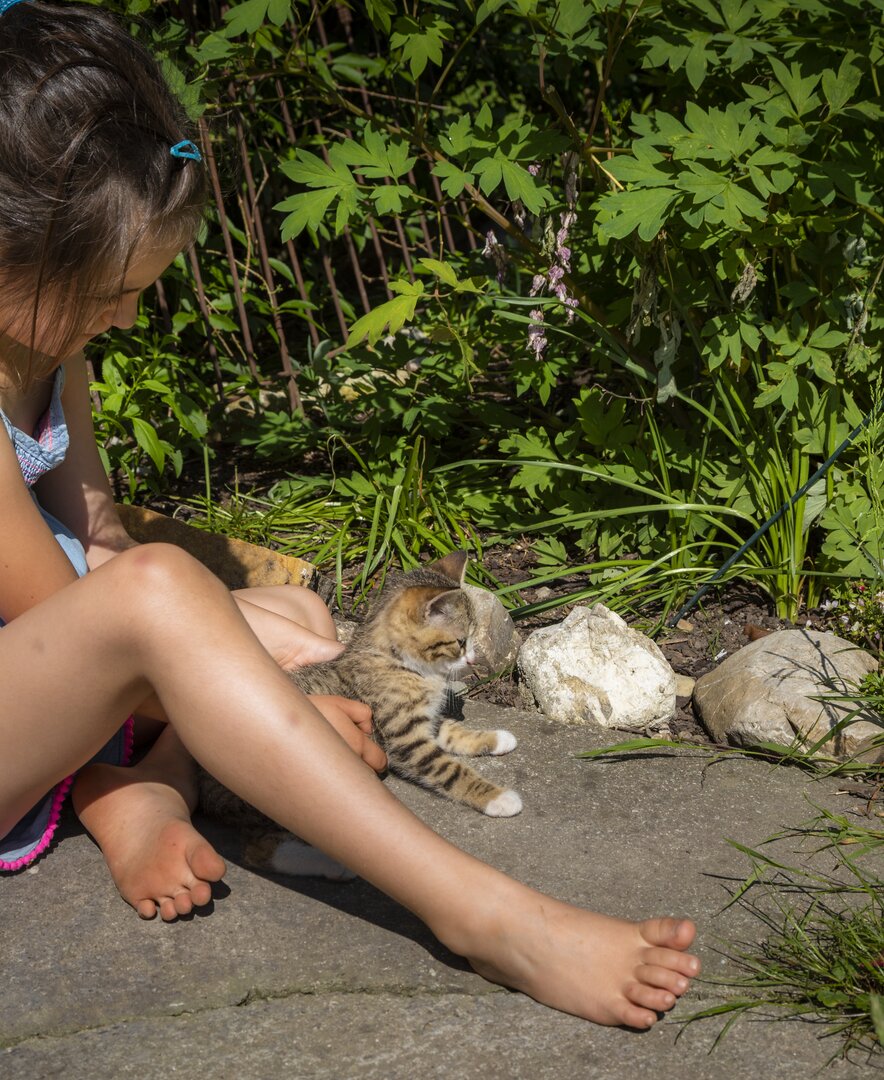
(454, 180)
(212, 47)
(278, 11)
(441, 269)
(381, 12)
(305, 211)
(702, 183)
(459, 138)
(642, 171)
(521, 185)
(490, 173)
(839, 89)
(644, 209)
(876, 1011)
(249, 16)
(698, 60)
(800, 90)
(332, 181)
(486, 8)
(420, 40)
(381, 156)
(388, 198)
(388, 317)
(147, 439)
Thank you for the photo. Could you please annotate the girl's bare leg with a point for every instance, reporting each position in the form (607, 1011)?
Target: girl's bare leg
(138, 624)
(296, 628)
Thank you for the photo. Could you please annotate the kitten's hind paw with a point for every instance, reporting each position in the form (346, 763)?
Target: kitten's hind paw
(506, 741)
(507, 804)
(292, 857)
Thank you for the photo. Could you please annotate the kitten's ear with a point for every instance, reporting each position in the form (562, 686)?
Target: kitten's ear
(443, 606)
(453, 566)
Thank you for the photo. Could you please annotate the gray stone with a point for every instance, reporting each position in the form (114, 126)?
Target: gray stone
(770, 691)
(592, 667)
(497, 640)
(329, 981)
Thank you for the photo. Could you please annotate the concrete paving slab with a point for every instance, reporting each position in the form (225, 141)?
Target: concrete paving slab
(307, 978)
(497, 1036)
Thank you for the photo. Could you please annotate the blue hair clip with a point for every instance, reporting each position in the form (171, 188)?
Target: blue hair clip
(5, 5)
(185, 149)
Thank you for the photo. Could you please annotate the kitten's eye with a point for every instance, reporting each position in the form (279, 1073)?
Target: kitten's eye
(461, 643)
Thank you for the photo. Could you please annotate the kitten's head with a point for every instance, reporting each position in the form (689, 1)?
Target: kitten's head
(427, 619)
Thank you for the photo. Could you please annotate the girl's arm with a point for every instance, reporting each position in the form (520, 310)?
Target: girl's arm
(78, 492)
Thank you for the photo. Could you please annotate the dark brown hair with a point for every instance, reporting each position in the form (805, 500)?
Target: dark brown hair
(87, 123)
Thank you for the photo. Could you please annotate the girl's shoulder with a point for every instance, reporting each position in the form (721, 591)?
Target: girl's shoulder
(36, 427)
(25, 410)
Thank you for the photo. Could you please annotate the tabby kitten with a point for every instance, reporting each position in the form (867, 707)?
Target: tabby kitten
(399, 661)
(416, 639)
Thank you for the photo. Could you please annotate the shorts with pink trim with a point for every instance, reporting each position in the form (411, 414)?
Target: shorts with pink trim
(33, 834)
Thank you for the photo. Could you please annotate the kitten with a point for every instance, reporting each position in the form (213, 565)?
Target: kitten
(417, 637)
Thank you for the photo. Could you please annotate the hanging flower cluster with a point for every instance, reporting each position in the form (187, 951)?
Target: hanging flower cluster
(560, 265)
(495, 251)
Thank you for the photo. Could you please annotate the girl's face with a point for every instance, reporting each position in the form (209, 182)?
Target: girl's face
(116, 307)
(120, 308)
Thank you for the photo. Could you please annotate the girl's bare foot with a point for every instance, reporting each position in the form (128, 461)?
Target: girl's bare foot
(308, 648)
(607, 970)
(140, 818)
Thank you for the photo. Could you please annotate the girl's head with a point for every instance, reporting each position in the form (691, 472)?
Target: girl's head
(91, 197)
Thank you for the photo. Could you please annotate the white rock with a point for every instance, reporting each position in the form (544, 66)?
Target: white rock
(769, 691)
(593, 667)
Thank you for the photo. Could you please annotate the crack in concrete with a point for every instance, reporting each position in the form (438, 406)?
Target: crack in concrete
(252, 996)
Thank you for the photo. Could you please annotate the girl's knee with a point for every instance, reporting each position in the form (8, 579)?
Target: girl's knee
(310, 610)
(158, 570)
(296, 603)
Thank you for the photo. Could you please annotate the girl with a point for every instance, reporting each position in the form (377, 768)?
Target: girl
(101, 186)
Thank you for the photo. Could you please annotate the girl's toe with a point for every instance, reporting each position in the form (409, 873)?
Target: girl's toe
(146, 909)
(663, 977)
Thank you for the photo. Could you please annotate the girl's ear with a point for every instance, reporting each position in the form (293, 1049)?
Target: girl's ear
(453, 566)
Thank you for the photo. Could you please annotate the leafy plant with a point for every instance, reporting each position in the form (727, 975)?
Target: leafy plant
(640, 239)
(142, 395)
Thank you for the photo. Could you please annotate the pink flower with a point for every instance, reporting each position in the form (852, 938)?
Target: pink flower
(537, 334)
(537, 285)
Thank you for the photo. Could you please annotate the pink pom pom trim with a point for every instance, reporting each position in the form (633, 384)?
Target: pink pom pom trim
(58, 798)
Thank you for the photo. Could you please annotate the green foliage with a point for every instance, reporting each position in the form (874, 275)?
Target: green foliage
(141, 394)
(860, 611)
(668, 316)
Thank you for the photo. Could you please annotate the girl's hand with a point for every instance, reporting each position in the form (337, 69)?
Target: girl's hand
(352, 721)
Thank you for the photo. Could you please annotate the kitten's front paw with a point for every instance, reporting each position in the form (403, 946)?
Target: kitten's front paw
(506, 741)
(507, 804)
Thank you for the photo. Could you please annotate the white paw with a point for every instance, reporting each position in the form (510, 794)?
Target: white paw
(296, 859)
(506, 741)
(507, 804)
